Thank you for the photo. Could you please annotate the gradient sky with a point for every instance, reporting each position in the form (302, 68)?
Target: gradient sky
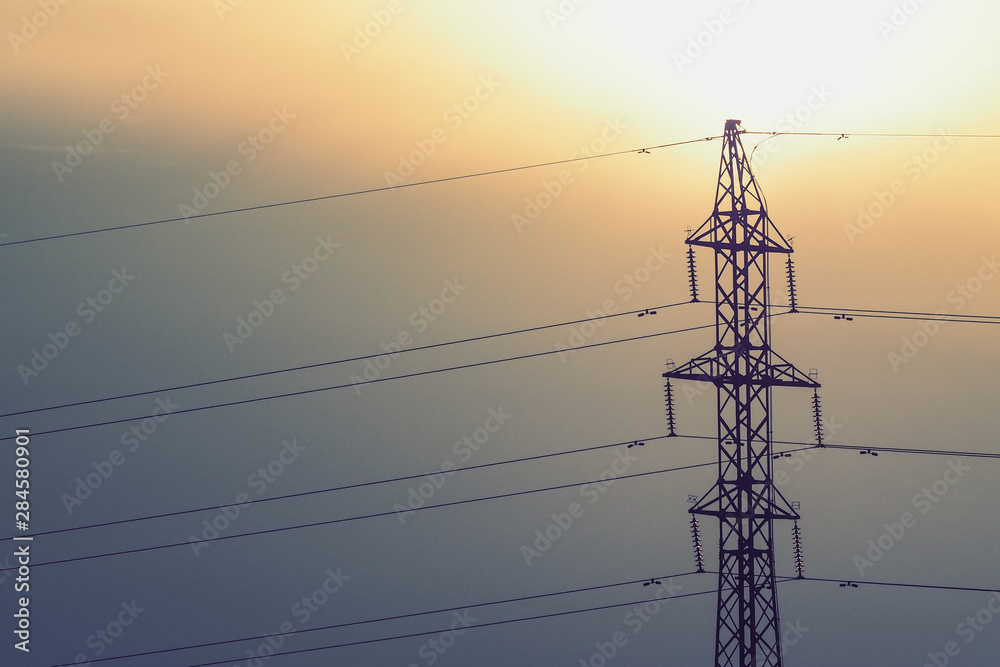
(164, 97)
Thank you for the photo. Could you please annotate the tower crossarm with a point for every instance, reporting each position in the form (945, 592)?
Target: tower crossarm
(725, 369)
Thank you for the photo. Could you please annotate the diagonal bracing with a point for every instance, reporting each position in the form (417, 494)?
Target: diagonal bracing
(744, 370)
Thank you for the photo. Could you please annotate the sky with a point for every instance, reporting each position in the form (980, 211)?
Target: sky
(118, 113)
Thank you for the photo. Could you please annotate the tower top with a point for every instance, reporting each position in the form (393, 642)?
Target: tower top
(739, 220)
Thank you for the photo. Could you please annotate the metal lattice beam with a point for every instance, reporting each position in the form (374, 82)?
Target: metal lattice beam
(744, 370)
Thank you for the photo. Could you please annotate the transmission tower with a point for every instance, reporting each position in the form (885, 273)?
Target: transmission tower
(744, 370)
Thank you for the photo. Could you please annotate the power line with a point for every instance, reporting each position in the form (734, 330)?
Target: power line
(896, 584)
(896, 312)
(916, 315)
(804, 446)
(848, 135)
(374, 515)
(813, 311)
(322, 364)
(346, 487)
(892, 584)
(397, 617)
(489, 624)
(890, 315)
(876, 448)
(303, 392)
(990, 319)
(869, 314)
(931, 452)
(467, 176)
(345, 194)
(513, 620)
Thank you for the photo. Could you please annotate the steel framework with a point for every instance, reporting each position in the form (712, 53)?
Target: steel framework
(744, 370)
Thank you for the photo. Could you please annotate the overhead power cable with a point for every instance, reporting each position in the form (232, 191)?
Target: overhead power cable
(894, 135)
(895, 315)
(931, 452)
(396, 617)
(345, 487)
(869, 448)
(293, 202)
(848, 135)
(335, 362)
(340, 195)
(892, 584)
(897, 312)
(803, 447)
(896, 584)
(437, 631)
(535, 617)
(373, 515)
(990, 319)
(304, 392)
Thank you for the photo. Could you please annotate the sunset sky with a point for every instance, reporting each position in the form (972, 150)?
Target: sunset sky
(117, 113)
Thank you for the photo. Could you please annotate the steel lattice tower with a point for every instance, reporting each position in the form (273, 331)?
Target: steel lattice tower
(744, 370)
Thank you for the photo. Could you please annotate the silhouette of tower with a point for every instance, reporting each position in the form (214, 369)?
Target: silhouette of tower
(744, 370)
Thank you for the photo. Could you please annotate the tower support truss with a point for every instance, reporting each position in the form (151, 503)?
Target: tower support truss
(744, 370)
